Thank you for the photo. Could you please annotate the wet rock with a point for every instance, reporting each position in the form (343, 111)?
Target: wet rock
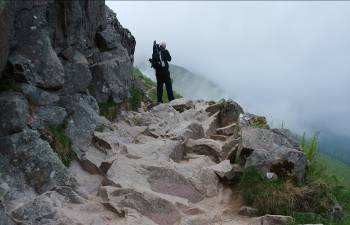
(42, 168)
(269, 152)
(13, 113)
(272, 220)
(38, 96)
(206, 147)
(248, 211)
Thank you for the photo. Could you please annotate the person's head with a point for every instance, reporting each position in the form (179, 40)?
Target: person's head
(163, 44)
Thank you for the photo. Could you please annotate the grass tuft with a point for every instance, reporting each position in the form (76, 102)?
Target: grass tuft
(109, 109)
(61, 144)
(309, 202)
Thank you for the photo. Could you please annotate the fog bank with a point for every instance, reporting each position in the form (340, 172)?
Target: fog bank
(289, 61)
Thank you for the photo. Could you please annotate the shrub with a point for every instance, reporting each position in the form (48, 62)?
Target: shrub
(135, 98)
(309, 202)
(108, 109)
(61, 144)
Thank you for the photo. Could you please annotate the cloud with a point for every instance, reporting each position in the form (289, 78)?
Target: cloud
(287, 60)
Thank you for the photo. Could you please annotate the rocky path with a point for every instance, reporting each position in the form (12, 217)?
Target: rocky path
(146, 171)
(170, 165)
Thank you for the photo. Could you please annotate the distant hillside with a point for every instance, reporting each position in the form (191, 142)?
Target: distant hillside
(189, 84)
(335, 145)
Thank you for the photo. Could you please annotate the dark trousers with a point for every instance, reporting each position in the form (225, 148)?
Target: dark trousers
(168, 86)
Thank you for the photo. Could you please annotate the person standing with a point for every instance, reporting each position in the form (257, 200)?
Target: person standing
(160, 59)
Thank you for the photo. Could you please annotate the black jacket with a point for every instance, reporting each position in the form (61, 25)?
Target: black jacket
(166, 57)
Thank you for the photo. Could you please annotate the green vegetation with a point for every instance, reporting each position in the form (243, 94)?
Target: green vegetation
(258, 122)
(61, 144)
(135, 98)
(8, 84)
(108, 109)
(307, 202)
(2, 3)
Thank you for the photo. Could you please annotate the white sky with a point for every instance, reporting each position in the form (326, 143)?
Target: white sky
(289, 61)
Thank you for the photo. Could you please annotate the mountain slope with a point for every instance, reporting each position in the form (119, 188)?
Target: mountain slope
(189, 84)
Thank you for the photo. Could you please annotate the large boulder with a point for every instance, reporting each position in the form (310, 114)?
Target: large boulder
(38, 96)
(42, 168)
(13, 113)
(83, 120)
(41, 67)
(270, 152)
(229, 111)
(159, 210)
(43, 210)
(204, 146)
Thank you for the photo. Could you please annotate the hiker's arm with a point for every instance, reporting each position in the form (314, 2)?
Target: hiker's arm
(168, 56)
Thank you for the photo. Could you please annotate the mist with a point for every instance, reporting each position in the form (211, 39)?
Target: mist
(288, 61)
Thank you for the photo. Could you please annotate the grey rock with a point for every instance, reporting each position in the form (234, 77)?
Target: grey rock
(204, 146)
(181, 104)
(292, 139)
(4, 218)
(124, 35)
(41, 66)
(111, 75)
(228, 171)
(337, 212)
(38, 96)
(42, 168)
(248, 211)
(48, 116)
(229, 111)
(160, 211)
(107, 39)
(232, 129)
(43, 210)
(74, 56)
(77, 76)
(83, 119)
(270, 152)
(13, 113)
(272, 220)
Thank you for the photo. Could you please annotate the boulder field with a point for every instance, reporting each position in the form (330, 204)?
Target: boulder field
(165, 166)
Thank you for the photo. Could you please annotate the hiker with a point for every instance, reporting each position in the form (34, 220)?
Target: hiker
(159, 61)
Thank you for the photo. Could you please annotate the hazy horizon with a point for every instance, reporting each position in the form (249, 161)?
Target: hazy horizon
(288, 61)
